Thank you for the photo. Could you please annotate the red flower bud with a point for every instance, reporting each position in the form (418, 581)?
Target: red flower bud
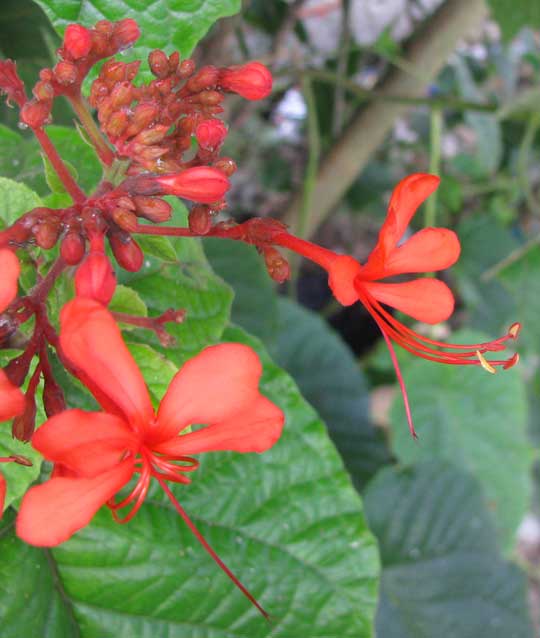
(77, 41)
(124, 219)
(125, 33)
(253, 81)
(24, 425)
(46, 233)
(158, 63)
(226, 165)
(95, 278)
(186, 68)
(43, 91)
(205, 78)
(200, 220)
(65, 73)
(53, 398)
(210, 133)
(277, 266)
(72, 248)
(127, 251)
(122, 94)
(10, 82)
(35, 114)
(152, 208)
(199, 184)
(116, 124)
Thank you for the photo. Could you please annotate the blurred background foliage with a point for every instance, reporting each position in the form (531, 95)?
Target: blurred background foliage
(366, 93)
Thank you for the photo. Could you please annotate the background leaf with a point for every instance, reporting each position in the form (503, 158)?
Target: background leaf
(442, 575)
(475, 420)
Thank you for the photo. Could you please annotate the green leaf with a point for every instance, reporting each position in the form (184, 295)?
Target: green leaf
(287, 522)
(474, 419)
(331, 380)
(157, 246)
(522, 281)
(166, 24)
(155, 368)
(15, 199)
(31, 603)
(126, 300)
(254, 306)
(512, 15)
(442, 575)
(18, 477)
(51, 177)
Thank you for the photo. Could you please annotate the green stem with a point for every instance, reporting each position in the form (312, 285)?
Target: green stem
(510, 259)
(102, 148)
(434, 163)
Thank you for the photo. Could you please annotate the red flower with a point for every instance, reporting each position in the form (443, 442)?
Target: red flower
(210, 133)
(97, 453)
(253, 81)
(10, 269)
(77, 41)
(199, 184)
(427, 299)
(95, 278)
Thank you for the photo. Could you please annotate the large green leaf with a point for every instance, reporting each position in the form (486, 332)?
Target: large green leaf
(333, 383)
(442, 575)
(254, 305)
(476, 420)
(164, 24)
(513, 15)
(15, 199)
(288, 522)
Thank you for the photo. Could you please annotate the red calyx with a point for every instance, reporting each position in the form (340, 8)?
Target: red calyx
(77, 41)
(95, 278)
(125, 33)
(253, 81)
(210, 133)
(126, 250)
(10, 83)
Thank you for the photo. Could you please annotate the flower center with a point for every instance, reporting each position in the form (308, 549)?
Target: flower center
(150, 464)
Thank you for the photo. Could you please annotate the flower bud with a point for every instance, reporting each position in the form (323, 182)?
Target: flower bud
(153, 208)
(98, 91)
(77, 41)
(205, 78)
(151, 136)
(277, 266)
(53, 398)
(72, 248)
(35, 114)
(10, 82)
(209, 98)
(127, 251)
(104, 27)
(186, 68)
(43, 91)
(116, 124)
(124, 219)
(210, 133)
(158, 63)
(125, 33)
(112, 72)
(95, 278)
(253, 81)
(24, 425)
(143, 115)
(226, 165)
(200, 220)
(199, 184)
(122, 94)
(65, 73)
(174, 61)
(46, 233)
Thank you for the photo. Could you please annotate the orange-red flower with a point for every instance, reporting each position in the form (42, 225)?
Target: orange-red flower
(97, 453)
(426, 299)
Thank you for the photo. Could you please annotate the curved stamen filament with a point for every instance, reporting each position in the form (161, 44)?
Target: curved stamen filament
(138, 494)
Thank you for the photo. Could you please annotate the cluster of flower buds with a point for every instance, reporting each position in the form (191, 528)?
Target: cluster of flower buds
(80, 50)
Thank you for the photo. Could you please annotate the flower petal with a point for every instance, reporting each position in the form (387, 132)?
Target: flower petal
(427, 250)
(253, 430)
(87, 443)
(219, 382)
(52, 512)
(12, 400)
(91, 340)
(406, 198)
(10, 269)
(342, 273)
(428, 300)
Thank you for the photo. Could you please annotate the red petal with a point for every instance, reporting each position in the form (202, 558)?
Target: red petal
(91, 340)
(11, 399)
(87, 443)
(428, 300)
(10, 270)
(219, 382)
(254, 430)
(52, 512)
(341, 275)
(406, 198)
(428, 250)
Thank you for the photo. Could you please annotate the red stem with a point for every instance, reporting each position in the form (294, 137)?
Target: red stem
(207, 547)
(67, 180)
(105, 154)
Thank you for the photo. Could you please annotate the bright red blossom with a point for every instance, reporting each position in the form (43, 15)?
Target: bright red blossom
(97, 453)
(253, 81)
(199, 184)
(427, 299)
